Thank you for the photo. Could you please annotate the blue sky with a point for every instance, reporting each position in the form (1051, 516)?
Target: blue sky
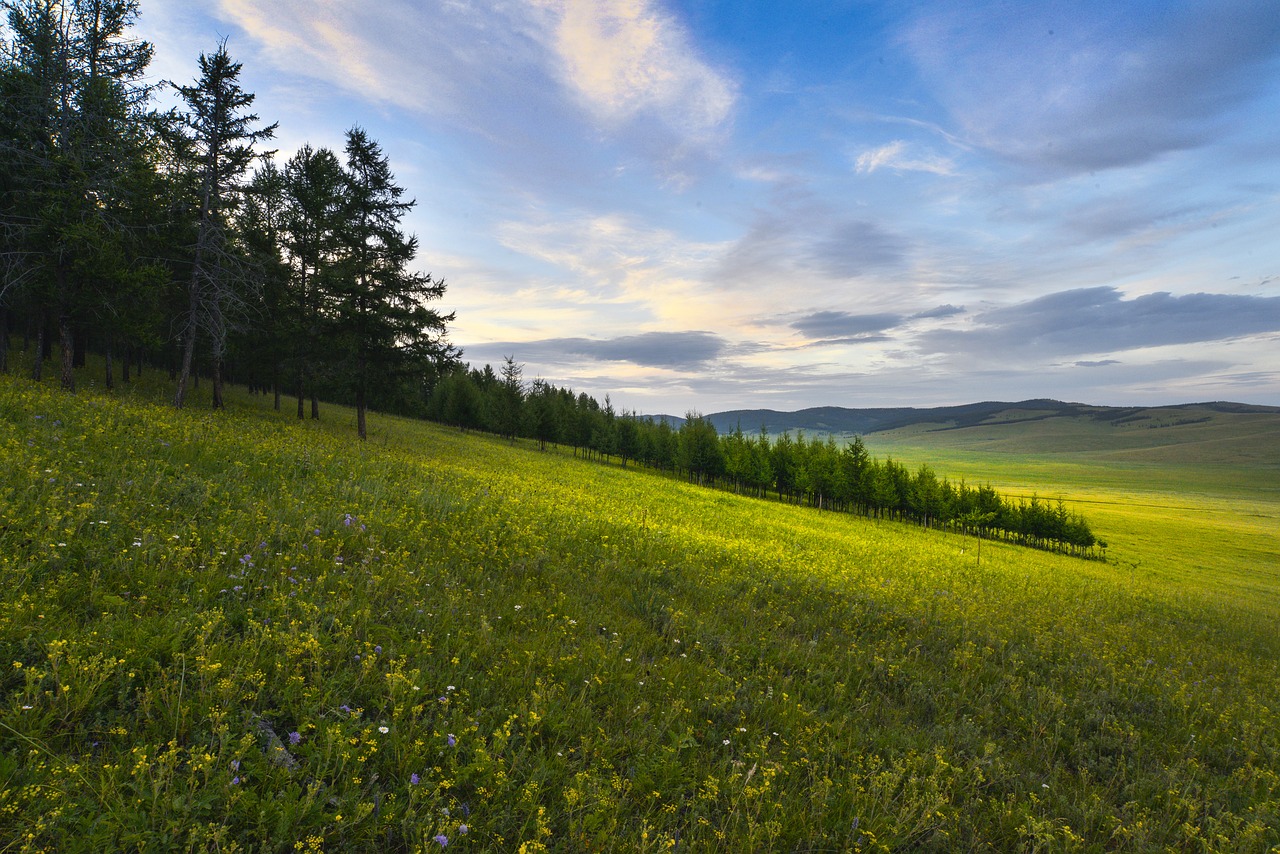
(712, 205)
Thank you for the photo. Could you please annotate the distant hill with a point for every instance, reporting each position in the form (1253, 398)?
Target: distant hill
(839, 420)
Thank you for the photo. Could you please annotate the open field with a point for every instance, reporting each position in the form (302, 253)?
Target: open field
(234, 631)
(1200, 510)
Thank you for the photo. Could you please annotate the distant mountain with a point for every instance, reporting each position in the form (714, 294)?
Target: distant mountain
(835, 419)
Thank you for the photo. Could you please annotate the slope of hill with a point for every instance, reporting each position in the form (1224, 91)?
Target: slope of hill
(237, 631)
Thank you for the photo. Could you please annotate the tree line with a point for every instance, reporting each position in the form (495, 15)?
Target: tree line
(821, 473)
(172, 236)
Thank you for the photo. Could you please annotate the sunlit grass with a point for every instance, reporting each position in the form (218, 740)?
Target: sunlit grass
(236, 631)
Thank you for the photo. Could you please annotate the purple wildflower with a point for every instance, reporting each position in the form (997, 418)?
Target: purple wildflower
(442, 839)
(414, 779)
(235, 781)
(462, 830)
(378, 649)
(452, 740)
(295, 737)
(247, 560)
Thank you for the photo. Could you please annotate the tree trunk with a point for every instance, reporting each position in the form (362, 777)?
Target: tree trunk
(217, 382)
(67, 339)
(4, 340)
(275, 387)
(302, 398)
(37, 363)
(111, 378)
(315, 408)
(361, 429)
(124, 365)
(81, 349)
(188, 350)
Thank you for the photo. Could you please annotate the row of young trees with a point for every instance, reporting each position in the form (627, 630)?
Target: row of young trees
(173, 235)
(821, 473)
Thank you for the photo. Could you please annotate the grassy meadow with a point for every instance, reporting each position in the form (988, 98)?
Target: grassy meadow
(235, 631)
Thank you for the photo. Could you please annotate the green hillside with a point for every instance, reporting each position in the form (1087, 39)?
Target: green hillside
(236, 631)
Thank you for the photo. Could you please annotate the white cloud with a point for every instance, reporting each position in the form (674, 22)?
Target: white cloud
(894, 156)
(624, 58)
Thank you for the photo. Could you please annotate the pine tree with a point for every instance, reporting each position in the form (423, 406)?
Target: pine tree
(72, 109)
(315, 197)
(218, 141)
(379, 311)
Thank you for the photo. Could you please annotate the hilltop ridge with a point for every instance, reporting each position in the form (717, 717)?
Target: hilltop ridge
(838, 419)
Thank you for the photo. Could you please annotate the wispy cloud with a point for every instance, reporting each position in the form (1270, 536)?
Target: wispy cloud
(810, 243)
(846, 326)
(679, 351)
(1074, 93)
(610, 255)
(939, 312)
(895, 156)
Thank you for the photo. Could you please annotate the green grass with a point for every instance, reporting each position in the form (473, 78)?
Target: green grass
(577, 657)
(1202, 525)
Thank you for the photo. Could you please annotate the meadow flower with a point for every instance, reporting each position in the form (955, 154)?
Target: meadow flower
(414, 779)
(384, 730)
(295, 737)
(452, 740)
(442, 839)
(378, 649)
(463, 829)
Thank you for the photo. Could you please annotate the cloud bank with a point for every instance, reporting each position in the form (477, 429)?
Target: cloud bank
(1088, 321)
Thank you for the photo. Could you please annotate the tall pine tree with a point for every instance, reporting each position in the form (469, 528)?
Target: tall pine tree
(380, 314)
(220, 139)
(315, 189)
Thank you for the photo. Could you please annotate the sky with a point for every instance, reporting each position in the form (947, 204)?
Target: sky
(703, 205)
